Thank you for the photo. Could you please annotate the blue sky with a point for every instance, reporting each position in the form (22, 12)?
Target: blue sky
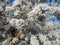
(58, 2)
(55, 20)
(10, 1)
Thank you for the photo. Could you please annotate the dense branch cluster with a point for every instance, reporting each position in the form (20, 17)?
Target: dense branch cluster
(26, 23)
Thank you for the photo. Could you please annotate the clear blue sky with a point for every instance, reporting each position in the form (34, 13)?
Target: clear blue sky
(10, 1)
